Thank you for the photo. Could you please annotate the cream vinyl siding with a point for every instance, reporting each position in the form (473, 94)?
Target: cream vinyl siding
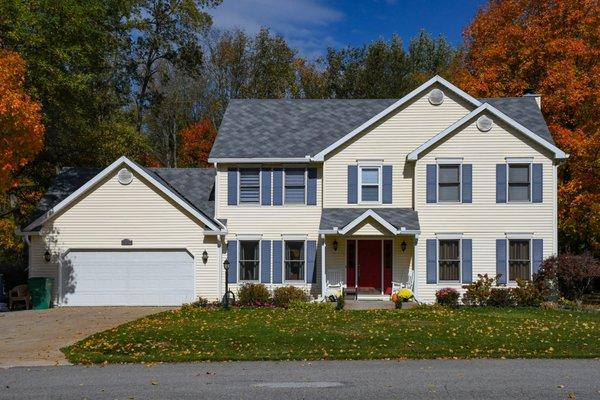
(389, 142)
(484, 220)
(112, 212)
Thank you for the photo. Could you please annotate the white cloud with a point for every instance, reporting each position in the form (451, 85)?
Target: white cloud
(303, 23)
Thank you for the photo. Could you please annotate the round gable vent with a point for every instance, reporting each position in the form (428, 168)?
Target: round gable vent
(125, 176)
(484, 124)
(436, 97)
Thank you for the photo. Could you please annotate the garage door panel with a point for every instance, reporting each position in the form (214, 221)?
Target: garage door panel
(127, 278)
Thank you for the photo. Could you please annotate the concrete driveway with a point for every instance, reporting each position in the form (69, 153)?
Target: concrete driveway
(36, 337)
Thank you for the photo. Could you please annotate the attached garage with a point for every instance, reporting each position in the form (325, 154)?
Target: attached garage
(127, 278)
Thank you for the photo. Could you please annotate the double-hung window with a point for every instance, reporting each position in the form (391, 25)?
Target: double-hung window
(519, 182)
(370, 184)
(295, 186)
(449, 183)
(449, 260)
(249, 186)
(249, 260)
(294, 260)
(519, 260)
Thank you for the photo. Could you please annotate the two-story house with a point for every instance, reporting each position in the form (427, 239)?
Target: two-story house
(438, 186)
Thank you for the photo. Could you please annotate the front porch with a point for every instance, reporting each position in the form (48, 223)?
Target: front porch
(369, 257)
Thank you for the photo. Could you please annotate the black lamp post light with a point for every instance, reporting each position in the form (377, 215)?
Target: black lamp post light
(226, 268)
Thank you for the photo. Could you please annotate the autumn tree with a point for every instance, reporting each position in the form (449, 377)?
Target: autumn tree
(553, 48)
(22, 138)
(196, 142)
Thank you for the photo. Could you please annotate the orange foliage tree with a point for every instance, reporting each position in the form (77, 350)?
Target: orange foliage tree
(21, 134)
(552, 47)
(196, 141)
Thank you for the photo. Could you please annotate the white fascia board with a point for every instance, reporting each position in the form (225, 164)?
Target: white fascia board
(436, 79)
(92, 182)
(365, 215)
(558, 153)
(306, 159)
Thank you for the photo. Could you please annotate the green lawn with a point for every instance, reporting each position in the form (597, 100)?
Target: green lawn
(279, 334)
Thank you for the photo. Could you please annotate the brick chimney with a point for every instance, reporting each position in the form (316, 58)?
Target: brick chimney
(531, 93)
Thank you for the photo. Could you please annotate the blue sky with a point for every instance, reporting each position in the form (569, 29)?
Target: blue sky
(313, 25)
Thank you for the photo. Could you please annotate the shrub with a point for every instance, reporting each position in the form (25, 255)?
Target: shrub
(574, 274)
(254, 294)
(549, 305)
(341, 301)
(447, 297)
(478, 293)
(284, 295)
(527, 294)
(501, 297)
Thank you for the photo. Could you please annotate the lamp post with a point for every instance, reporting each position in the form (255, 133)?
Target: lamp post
(226, 268)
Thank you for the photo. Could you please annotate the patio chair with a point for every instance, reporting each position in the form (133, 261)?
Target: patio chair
(17, 294)
(408, 284)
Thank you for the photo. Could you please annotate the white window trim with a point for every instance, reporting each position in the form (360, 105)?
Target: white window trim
(239, 259)
(284, 280)
(530, 166)
(305, 187)
(379, 183)
(239, 187)
(460, 255)
(437, 178)
(448, 160)
(529, 239)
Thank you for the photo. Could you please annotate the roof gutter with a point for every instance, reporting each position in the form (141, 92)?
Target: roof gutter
(305, 159)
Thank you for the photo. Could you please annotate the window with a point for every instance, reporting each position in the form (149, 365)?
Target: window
(519, 263)
(449, 183)
(294, 260)
(250, 186)
(519, 187)
(449, 260)
(295, 186)
(249, 260)
(370, 184)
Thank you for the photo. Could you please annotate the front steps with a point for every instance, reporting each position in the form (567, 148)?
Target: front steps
(369, 305)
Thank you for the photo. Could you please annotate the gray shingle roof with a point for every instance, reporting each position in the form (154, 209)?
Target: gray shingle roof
(398, 217)
(195, 186)
(289, 127)
(298, 127)
(525, 111)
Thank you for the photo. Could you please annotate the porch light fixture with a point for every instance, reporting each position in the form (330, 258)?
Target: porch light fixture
(47, 256)
(335, 245)
(403, 246)
(204, 256)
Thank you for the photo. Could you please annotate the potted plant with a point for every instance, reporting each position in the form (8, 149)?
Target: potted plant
(403, 298)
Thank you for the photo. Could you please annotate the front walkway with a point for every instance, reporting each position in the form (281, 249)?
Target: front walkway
(36, 337)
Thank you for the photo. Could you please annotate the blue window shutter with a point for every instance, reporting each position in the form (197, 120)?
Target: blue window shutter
(311, 257)
(431, 248)
(538, 254)
(537, 192)
(265, 177)
(500, 183)
(431, 183)
(501, 261)
(232, 257)
(277, 260)
(467, 183)
(265, 261)
(277, 187)
(232, 186)
(352, 184)
(387, 184)
(311, 190)
(467, 260)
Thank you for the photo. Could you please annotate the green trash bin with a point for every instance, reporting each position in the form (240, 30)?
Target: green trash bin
(40, 290)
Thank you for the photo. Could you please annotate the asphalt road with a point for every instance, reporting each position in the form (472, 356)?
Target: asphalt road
(430, 379)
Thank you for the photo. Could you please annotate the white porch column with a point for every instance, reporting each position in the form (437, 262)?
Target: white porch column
(323, 276)
(415, 265)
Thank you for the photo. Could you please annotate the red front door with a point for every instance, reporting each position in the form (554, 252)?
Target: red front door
(369, 264)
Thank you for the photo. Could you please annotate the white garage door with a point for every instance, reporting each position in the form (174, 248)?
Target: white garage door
(111, 278)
